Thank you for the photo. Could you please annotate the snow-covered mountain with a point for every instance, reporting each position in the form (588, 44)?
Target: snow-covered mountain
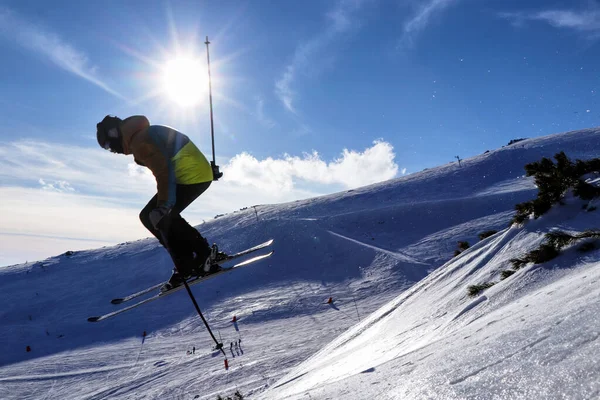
(401, 324)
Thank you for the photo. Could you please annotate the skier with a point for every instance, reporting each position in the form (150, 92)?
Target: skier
(182, 174)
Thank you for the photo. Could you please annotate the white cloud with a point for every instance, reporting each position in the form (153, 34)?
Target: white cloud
(284, 90)
(580, 20)
(57, 186)
(260, 114)
(421, 19)
(351, 170)
(87, 170)
(51, 46)
(342, 20)
(137, 171)
(584, 20)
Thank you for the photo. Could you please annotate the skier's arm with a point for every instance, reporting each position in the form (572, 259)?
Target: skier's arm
(162, 169)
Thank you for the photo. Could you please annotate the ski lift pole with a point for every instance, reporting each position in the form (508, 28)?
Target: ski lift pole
(216, 173)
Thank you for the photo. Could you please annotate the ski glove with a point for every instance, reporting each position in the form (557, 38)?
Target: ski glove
(158, 215)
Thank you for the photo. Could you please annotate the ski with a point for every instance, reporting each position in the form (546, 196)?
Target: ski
(190, 282)
(159, 285)
(137, 294)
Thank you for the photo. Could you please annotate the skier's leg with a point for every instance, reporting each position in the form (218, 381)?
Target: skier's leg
(186, 194)
(180, 247)
(182, 265)
(180, 250)
(189, 240)
(145, 218)
(187, 247)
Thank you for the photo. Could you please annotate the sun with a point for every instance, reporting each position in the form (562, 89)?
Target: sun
(185, 81)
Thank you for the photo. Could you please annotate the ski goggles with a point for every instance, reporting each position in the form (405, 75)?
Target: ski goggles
(111, 135)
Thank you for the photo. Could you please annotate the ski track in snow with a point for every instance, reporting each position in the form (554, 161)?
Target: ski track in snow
(470, 306)
(398, 255)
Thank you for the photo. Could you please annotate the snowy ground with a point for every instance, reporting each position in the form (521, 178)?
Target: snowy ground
(401, 325)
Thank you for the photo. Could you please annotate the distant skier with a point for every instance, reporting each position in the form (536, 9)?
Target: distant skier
(182, 174)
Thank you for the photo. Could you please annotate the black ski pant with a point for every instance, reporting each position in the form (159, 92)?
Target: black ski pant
(185, 244)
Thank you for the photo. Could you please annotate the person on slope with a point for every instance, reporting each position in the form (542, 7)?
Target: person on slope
(182, 174)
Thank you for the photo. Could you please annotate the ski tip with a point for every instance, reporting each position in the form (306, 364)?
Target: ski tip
(253, 259)
(116, 301)
(93, 319)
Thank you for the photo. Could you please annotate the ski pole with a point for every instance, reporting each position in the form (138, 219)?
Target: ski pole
(215, 167)
(187, 287)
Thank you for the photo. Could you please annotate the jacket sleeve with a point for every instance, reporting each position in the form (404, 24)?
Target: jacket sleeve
(163, 171)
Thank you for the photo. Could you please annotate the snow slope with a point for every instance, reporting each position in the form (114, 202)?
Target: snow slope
(378, 252)
(533, 335)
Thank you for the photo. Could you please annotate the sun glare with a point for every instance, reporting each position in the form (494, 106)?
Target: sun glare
(185, 81)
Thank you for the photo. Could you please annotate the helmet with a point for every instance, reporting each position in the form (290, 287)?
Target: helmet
(108, 133)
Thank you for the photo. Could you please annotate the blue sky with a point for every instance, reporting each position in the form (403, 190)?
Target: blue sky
(310, 98)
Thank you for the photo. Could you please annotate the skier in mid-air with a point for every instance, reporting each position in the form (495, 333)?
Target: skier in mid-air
(182, 174)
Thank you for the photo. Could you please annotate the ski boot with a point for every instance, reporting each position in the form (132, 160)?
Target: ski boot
(216, 256)
(183, 271)
(176, 280)
(211, 264)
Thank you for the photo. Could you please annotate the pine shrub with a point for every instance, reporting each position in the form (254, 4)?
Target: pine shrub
(585, 191)
(555, 241)
(545, 252)
(463, 245)
(474, 290)
(506, 273)
(236, 396)
(519, 263)
(513, 141)
(487, 234)
(559, 239)
(553, 180)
